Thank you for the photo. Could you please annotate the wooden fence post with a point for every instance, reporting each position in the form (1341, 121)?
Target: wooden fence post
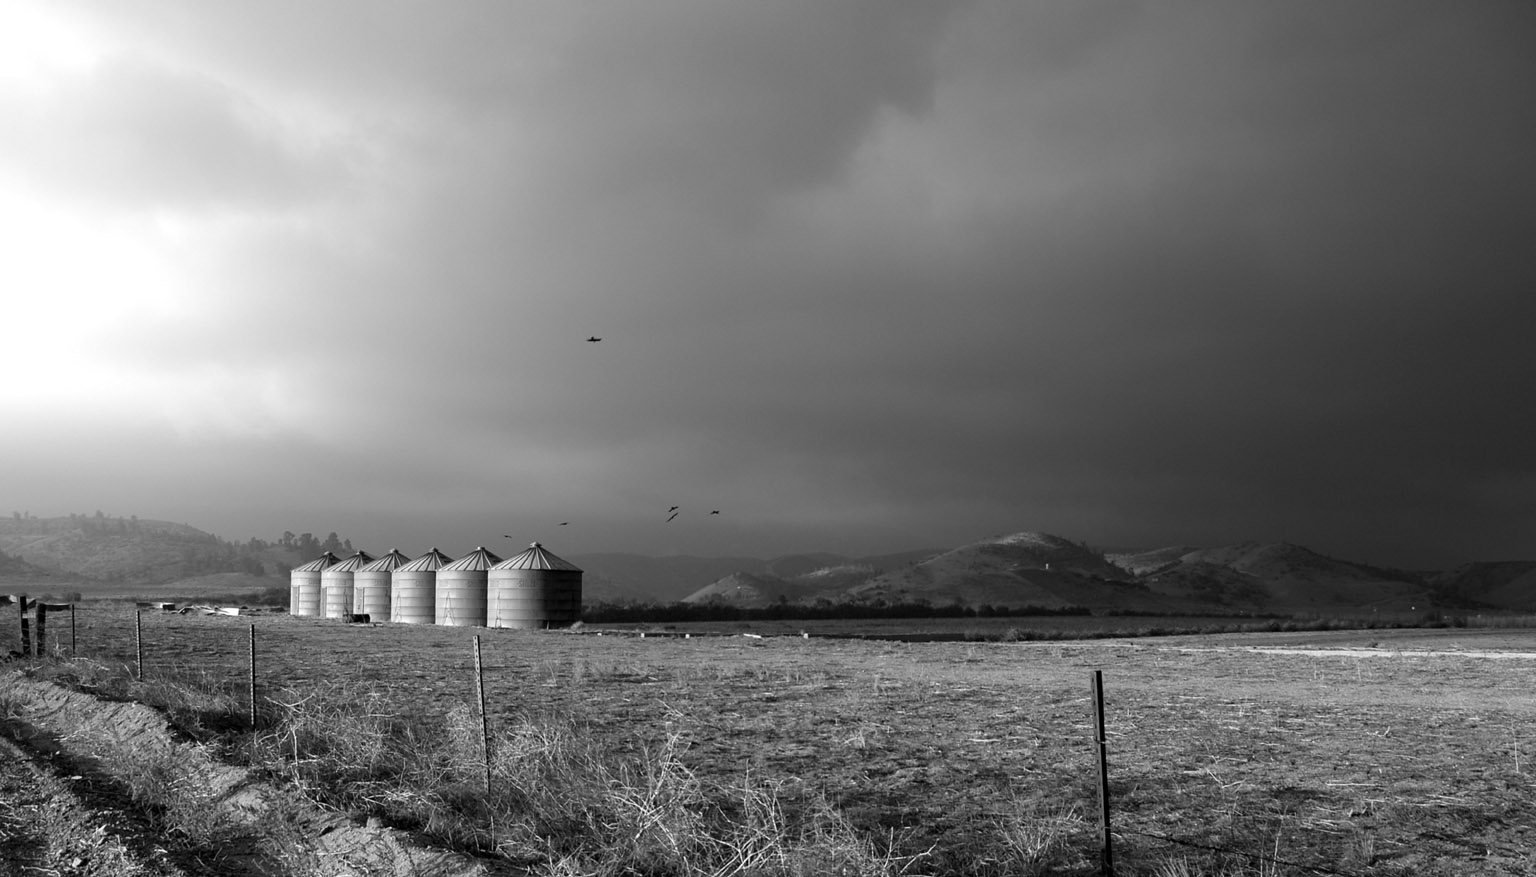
(1101, 744)
(138, 642)
(71, 630)
(40, 644)
(26, 636)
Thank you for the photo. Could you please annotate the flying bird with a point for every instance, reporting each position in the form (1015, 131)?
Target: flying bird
(563, 523)
(672, 509)
(669, 520)
(715, 512)
(593, 339)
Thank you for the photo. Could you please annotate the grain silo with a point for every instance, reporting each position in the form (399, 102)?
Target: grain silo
(413, 588)
(336, 585)
(304, 585)
(532, 591)
(371, 585)
(461, 589)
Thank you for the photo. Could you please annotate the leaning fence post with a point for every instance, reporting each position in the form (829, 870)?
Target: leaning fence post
(138, 642)
(485, 728)
(1102, 745)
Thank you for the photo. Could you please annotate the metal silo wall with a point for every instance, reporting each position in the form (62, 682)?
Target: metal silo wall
(563, 605)
(515, 598)
(336, 593)
(413, 596)
(304, 594)
(370, 593)
(533, 599)
(461, 597)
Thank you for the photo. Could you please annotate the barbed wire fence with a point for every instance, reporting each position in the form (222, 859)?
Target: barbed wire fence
(32, 641)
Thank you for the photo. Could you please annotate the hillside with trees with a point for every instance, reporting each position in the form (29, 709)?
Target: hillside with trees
(134, 550)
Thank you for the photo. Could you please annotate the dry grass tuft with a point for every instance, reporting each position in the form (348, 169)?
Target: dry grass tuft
(558, 803)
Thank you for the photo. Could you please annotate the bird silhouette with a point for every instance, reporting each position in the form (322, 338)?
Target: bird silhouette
(593, 339)
(669, 520)
(715, 512)
(672, 509)
(563, 523)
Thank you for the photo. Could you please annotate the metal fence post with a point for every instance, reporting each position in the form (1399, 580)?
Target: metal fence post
(485, 728)
(253, 677)
(1103, 757)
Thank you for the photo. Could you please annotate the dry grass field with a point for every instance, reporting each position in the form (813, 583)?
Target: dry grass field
(1359, 753)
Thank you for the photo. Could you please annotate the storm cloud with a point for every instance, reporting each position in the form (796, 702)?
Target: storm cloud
(869, 276)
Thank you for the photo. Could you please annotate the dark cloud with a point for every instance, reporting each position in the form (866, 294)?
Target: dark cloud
(867, 275)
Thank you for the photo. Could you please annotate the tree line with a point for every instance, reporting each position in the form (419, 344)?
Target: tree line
(648, 613)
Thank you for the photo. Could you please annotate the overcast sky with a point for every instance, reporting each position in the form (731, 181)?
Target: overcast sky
(869, 276)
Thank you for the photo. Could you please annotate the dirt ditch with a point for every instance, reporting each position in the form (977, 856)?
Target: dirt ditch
(92, 760)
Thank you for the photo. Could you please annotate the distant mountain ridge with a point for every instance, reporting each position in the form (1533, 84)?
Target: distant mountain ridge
(1275, 575)
(644, 578)
(1013, 570)
(1051, 572)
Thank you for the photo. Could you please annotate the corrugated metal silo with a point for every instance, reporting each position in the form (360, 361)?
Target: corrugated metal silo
(413, 589)
(532, 591)
(371, 585)
(336, 585)
(461, 589)
(304, 585)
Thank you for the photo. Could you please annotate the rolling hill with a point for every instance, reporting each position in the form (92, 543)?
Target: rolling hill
(1275, 576)
(1052, 572)
(1509, 584)
(642, 578)
(107, 554)
(19, 576)
(619, 578)
(121, 549)
(741, 589)
(1012, 570)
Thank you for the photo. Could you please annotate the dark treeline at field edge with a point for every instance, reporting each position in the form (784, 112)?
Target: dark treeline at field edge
(610, 613)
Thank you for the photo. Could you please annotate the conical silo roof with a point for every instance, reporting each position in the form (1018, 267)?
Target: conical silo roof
(432, 560)
(324, 561)
(479, 559)
(353, 563)
(387, 563)
(537, 557)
